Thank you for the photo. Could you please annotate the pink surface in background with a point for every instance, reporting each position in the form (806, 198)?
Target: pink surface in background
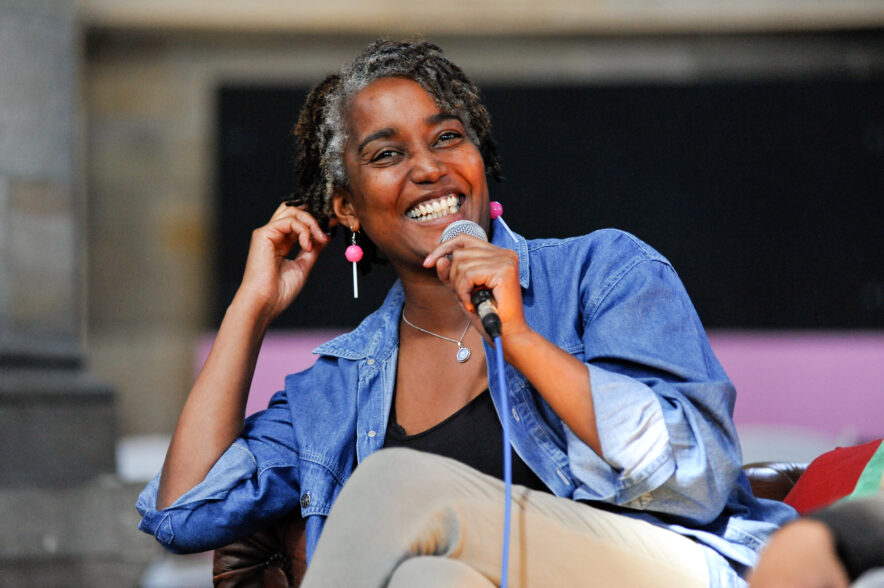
(283, 353)
(829, 382)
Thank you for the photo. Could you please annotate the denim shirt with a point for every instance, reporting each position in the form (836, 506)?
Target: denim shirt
(663, 406)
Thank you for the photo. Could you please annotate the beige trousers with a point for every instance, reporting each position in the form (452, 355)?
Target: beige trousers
(407, 518)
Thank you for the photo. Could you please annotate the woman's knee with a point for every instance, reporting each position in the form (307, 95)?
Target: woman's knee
(398, 484)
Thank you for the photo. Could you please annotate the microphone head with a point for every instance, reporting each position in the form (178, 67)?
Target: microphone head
(463, 226)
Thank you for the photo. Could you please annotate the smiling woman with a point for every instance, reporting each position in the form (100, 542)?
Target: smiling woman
(625, 460)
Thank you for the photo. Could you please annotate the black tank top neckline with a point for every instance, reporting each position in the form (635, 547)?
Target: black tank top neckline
(473, 435)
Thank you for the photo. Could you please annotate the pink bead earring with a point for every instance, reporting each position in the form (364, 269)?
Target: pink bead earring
(496, 213)
(353, 253)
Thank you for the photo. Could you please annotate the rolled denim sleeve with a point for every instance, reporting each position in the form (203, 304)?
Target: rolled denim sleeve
(255, 480)
(663, 404)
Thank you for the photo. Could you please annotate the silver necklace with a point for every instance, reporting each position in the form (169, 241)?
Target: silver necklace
(463, 353)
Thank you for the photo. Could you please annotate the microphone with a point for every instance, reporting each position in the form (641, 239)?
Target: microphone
(482, 298)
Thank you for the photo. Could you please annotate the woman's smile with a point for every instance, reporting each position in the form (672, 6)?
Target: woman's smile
(436, 208)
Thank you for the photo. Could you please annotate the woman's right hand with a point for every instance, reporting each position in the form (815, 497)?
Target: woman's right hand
(271, 281)
(212, 417)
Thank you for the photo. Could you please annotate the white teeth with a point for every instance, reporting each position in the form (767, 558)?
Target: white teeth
(435, 209)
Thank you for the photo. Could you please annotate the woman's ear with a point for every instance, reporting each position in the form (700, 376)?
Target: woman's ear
(343, 208)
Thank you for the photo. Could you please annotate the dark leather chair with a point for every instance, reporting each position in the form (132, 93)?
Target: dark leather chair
(773, 479)
(275, 556)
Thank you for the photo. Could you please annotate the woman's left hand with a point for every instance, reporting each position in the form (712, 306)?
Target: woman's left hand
(474, 263)
(561, 379)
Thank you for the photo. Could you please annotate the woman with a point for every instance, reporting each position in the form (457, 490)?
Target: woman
(627, 464)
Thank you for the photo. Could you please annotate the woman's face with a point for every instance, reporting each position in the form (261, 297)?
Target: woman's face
(412, 170)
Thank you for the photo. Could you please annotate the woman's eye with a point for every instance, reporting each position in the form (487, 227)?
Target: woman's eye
(448, 137)
(383, 156)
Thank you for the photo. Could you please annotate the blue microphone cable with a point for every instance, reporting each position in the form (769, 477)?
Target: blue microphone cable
(507, 461)
(485, 308)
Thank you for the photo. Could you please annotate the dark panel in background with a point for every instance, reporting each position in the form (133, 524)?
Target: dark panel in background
(255, 173)
(767, 196)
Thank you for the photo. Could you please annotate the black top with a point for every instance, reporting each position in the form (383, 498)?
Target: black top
(473, 436)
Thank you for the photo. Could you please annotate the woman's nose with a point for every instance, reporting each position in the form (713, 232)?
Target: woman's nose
(426, 167)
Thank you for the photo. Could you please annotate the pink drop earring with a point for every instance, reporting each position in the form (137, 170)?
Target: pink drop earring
(353, 253)
(496, 214)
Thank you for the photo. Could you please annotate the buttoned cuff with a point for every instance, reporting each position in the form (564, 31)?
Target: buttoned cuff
(234, 465)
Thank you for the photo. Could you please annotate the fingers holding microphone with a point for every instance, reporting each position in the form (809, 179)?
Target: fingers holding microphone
(458, 236)
(484, 277)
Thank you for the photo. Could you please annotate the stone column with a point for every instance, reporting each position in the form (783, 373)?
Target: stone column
(56, 424)
(65, 519)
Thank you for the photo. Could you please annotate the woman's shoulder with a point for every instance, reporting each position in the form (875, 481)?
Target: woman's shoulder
(601, 248)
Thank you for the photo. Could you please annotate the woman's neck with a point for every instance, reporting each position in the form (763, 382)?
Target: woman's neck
(432, 305)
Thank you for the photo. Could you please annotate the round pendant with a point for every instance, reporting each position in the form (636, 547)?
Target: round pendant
(463, 354)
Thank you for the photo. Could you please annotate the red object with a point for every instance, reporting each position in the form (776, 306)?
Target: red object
(830, 477)
(496, 209)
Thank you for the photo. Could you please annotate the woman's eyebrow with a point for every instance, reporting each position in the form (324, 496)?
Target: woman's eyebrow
(441, 117)
(381, 134)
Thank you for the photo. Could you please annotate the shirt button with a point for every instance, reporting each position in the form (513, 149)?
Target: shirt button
(372, 433)
(305, 500)
(370, 362)
(515, 414)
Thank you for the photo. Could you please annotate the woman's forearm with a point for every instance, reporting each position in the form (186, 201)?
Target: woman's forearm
(559, 377)
(212, 417)
(213, 414)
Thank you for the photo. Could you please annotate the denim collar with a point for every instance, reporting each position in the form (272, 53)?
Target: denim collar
(377, 336)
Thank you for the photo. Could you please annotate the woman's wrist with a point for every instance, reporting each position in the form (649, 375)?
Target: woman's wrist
(250, 309)
(518, 343)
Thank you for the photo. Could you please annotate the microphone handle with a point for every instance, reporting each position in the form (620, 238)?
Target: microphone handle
(483, 300)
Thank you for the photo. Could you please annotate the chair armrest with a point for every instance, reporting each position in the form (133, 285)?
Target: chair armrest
(773, 479)
(274, 557)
